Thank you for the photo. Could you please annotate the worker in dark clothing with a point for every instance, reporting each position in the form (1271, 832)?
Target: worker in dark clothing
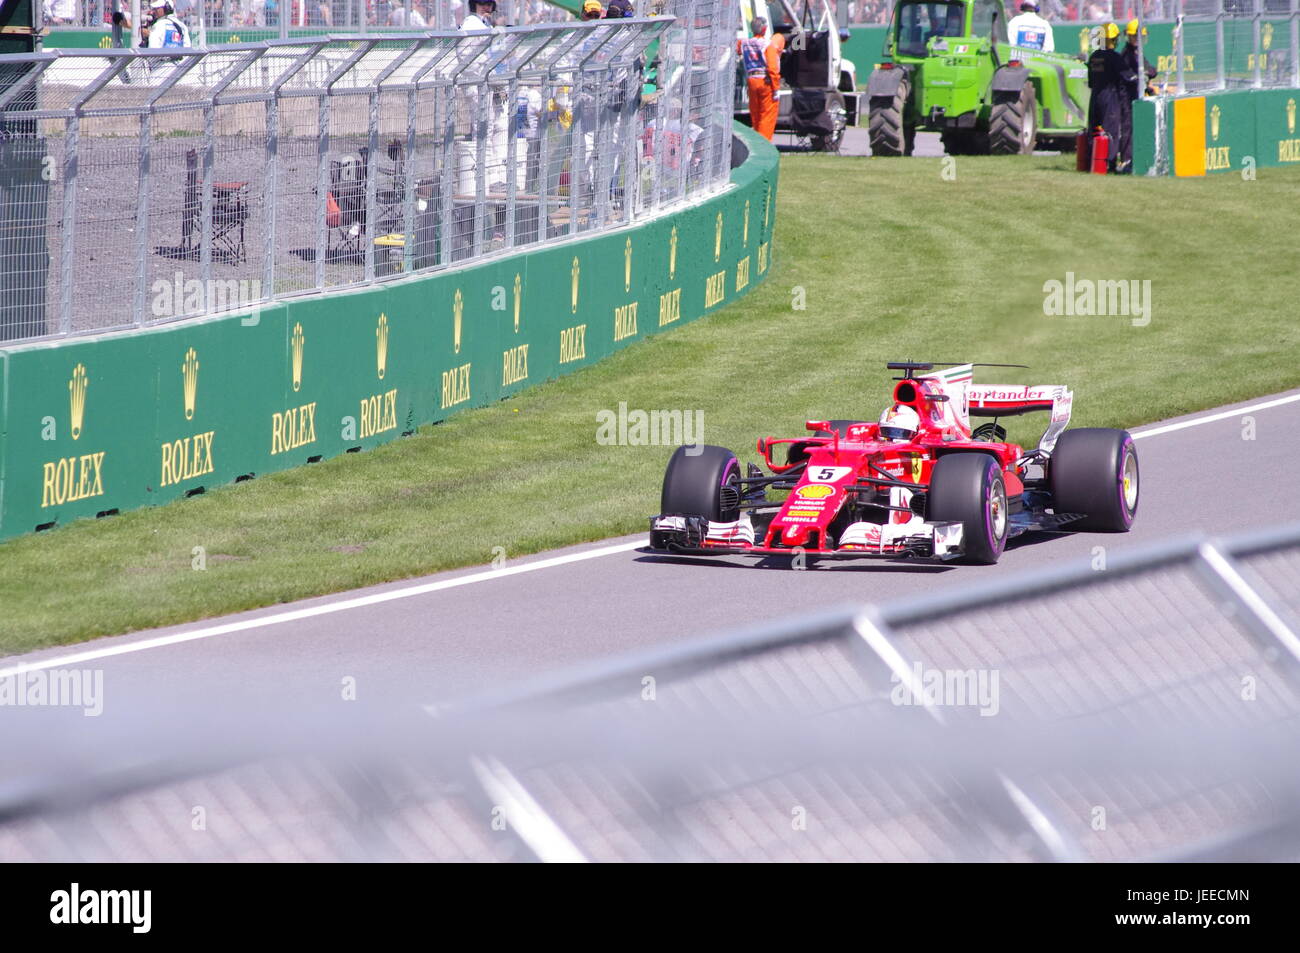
(1109, 82)
(1130, 56)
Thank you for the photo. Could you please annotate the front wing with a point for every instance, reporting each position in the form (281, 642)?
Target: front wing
(699, 536)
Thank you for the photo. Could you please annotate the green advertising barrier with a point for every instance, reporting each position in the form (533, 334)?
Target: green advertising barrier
(1242, 130)
(95, 426)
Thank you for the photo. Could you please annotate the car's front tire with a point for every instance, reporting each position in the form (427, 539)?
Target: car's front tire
(968, 488)
(1094, 471)
(694, 484)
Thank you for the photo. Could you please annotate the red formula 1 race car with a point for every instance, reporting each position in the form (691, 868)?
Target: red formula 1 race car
(920, 482)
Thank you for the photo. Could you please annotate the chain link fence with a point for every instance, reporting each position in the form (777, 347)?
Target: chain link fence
(144, 186)
(1145, 707)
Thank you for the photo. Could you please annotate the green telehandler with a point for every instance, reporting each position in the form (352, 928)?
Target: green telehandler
(948, 68)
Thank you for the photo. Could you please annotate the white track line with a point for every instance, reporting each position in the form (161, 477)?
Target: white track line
(1211, 418)
(294, 615)
(358, 602)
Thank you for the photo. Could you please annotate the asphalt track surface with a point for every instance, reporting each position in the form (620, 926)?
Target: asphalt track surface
(470, 631)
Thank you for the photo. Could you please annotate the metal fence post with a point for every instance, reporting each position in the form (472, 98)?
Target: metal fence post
(142, 216)
(322, 181)
(447, 228)
(1295, 42)
(209, 158)
(1256, 45)
(1180, 52)
(269, 191)
(67, 258)
(1221, 75)
(688, 80)
(372, 182)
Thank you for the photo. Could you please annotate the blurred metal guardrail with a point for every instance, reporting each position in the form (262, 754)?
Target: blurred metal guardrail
(142, 186)
(271, 19)
(1142, 707)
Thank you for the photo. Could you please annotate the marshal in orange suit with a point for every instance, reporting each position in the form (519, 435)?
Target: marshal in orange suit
(761, 57)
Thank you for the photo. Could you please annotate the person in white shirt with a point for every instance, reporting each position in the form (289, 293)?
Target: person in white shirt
(1030, 31)
(481, 15)
(397, 17)
(166, 30)
(60, 12)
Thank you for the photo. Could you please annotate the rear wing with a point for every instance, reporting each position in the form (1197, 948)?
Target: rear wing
(966, 399)
(1003, 400)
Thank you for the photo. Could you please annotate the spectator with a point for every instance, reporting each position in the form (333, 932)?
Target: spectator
(165, 29)
(619, 9)
(592, 10)
(1030, 31)
(397, 16)
(60, 12)
(482, 14)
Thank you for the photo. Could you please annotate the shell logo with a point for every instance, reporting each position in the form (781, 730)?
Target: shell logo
(814, 491)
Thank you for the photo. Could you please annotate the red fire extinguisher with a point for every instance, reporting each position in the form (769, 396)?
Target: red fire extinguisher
(1083, 151)
(1100, 152)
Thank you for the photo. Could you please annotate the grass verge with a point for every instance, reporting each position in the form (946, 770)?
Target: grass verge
(893, 261)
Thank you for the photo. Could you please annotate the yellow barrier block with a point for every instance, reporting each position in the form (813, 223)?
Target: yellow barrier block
(1189, 136)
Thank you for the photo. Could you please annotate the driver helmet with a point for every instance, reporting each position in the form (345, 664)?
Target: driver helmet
(899, 423)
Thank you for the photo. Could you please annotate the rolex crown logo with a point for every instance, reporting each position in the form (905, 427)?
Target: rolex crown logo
(381, 346)
(457, 313)
(717, 238)
(77, 394)
(745, 238)
(767, 205)
(519, 298)
(1214, 123)
(1266, 36)
(672, 253)
(627, 266)
(577, 269)
(297, 345)
(190, 374)
(1290, 116)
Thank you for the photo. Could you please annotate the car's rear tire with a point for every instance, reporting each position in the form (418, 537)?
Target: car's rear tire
(693, 484)
(1013, 124)
(1094, 471)
(886, 123)
(968, 488)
